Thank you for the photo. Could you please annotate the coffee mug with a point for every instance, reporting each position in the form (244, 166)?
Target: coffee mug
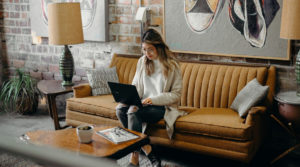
(85, 133)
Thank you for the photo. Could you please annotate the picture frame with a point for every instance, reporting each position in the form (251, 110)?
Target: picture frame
(222, 38)
(94, 14)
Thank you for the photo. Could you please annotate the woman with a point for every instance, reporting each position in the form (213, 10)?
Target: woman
(159, 83)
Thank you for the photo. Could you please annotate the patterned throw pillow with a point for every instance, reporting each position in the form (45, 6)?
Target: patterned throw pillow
(249, 96)
(98, 79)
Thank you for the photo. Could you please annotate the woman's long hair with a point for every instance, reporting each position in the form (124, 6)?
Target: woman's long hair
(165, 56)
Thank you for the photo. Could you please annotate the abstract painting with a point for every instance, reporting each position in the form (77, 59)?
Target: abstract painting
(236, 28)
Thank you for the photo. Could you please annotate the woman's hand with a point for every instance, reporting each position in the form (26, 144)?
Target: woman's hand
(147, 101)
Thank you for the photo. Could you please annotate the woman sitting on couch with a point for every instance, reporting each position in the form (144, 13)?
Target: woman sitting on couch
(159, 83)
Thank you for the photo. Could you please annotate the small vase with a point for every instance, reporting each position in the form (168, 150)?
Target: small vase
(297, 71)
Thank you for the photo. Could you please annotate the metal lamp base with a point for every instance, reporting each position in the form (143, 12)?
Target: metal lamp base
(66, 67)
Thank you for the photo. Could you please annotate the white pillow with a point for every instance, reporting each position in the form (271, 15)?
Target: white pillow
(249, 96)
(98, 79)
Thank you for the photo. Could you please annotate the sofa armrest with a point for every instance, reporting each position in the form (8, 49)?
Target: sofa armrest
(82, 90)
(255, 112)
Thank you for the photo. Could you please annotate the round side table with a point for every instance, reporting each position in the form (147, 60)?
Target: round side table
(289, 110)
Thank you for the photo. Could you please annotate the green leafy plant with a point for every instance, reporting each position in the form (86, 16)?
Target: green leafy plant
(20, 93)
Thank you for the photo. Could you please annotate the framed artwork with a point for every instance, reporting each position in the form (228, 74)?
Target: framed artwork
(236, 28)
(94, 15)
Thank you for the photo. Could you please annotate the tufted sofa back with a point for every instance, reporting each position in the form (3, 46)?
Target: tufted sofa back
(206, 85)
(212, 85)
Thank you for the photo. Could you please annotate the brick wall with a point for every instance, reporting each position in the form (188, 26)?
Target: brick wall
(41, 60)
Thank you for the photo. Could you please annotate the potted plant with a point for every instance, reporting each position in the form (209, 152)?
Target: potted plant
(20, 93)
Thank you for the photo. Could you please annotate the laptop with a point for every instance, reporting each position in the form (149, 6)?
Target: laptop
(125, 93)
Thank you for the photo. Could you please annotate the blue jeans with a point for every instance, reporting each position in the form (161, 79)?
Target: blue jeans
(132, 117)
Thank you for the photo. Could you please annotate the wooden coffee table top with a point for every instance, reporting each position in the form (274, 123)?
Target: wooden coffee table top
(100, 147)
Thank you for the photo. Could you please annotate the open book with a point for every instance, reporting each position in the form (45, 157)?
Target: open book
(117, 135)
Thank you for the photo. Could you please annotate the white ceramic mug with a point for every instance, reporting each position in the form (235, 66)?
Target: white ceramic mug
(85, 133)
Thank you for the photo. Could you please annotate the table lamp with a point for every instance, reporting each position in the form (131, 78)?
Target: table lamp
(290, 29)
(65, 28)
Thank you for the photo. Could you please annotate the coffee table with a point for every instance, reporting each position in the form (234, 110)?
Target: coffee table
(99, 147)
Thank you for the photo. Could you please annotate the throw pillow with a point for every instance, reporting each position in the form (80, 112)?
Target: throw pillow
(249, 96)
(98, 79)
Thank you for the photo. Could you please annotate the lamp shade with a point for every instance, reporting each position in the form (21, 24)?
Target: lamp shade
(290, 20)
(64, 23)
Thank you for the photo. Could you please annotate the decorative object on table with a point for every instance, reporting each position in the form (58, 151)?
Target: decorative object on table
(65, 28)
(117, 135)
(85, 133)
(290, 29)
(20, 93)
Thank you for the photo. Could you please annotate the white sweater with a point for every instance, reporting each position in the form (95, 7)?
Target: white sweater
(154, 84)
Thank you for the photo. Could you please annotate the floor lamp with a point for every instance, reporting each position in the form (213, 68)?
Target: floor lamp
(65, 28)
(290, 29)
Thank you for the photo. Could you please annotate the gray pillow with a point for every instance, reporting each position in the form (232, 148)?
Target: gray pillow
(249, 96)
(98, 79)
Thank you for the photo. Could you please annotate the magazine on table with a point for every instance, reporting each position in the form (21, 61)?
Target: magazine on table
(117, 135)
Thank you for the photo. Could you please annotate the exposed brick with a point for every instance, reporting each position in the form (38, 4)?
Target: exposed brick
(113, 38)
(42, 67)
(124, 2)
(24, 15)
(57, 76)
(53, 68)
(46, 58)
(161, 11)
(136, 30)
(76, 78)
(14, 15)
(123, 38)
(125, 19)
(18, 63)
(87, 63)
(112, 19)
(124, 10)
(84, 78)
(155, 2)
(111, 9)
(138, 40)
(124, 29)
(48, 75)
(112, 2)
(37, 75)
(80, 72)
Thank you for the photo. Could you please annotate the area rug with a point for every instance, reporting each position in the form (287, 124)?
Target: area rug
(7, 160)
(144, 162)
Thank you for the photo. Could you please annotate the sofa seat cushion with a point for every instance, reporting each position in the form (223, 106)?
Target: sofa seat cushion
(103, 105)
(216, 122)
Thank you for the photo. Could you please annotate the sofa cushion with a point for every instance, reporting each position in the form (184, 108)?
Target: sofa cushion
(98, 79)
(249, 96)
(216, 122)
(103, 105)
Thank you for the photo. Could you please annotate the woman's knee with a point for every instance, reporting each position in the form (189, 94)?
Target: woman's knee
(133, 109)
(121, 106)
(121, 109)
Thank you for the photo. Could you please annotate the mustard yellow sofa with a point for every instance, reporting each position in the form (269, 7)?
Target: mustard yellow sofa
(211, 127)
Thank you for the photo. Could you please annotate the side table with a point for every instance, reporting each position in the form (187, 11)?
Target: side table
(51, 89)
(289, 110)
